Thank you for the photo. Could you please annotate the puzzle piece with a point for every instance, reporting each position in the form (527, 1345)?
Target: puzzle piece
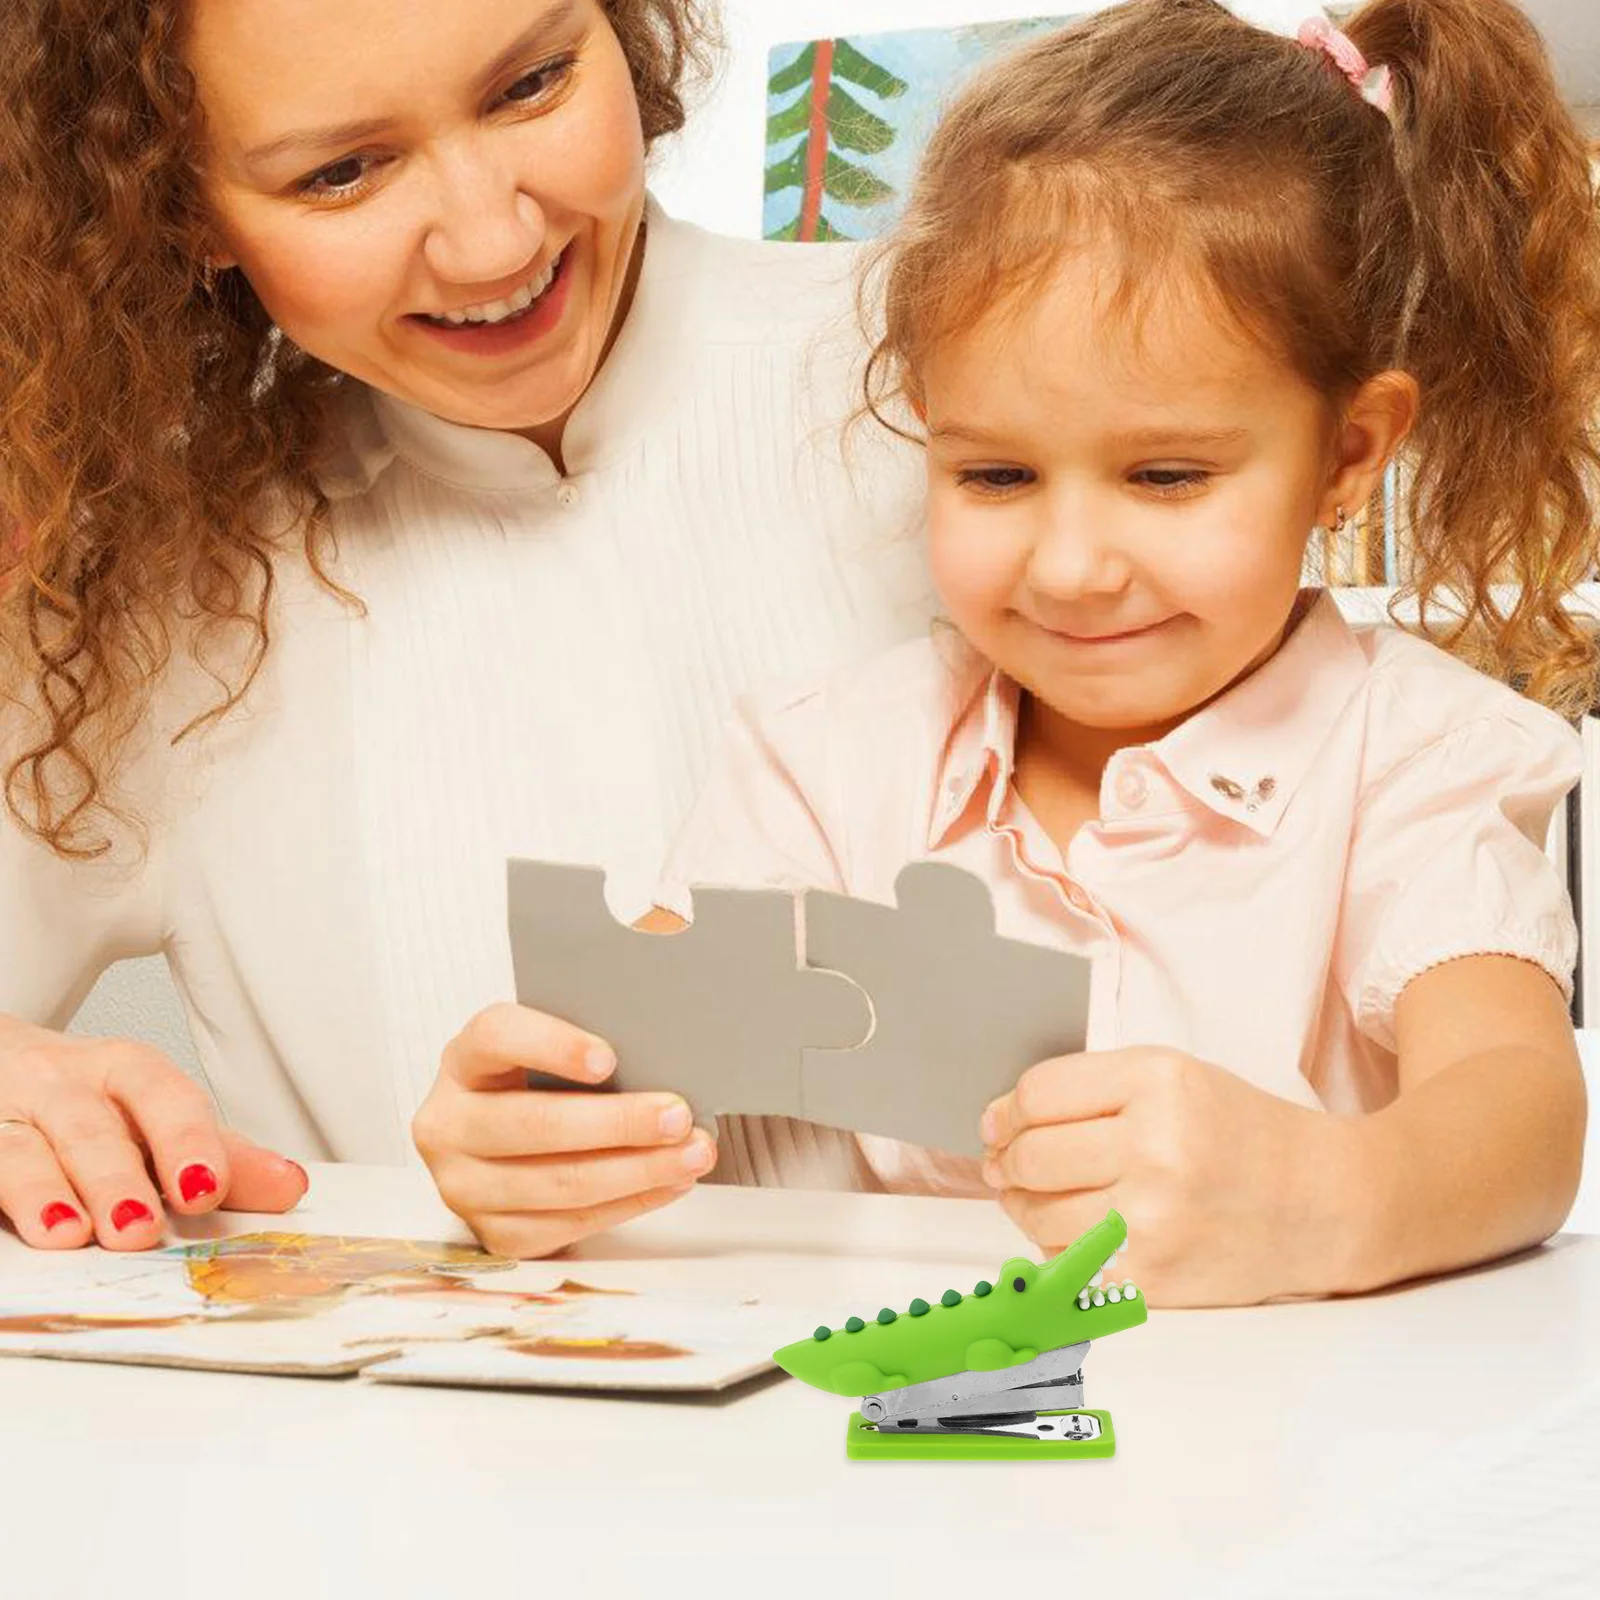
(903, 1020)
(959, 1014)
(718, 1012)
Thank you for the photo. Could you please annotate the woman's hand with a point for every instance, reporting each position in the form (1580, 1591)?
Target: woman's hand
(98, 1137)
(1231, 1195)
(532, 1171)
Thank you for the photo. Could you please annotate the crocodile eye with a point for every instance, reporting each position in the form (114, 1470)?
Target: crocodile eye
(1019, 1284)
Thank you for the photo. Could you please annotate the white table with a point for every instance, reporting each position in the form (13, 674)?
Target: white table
(1236, 1429)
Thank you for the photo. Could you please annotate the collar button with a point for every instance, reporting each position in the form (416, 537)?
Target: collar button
(1132, 788)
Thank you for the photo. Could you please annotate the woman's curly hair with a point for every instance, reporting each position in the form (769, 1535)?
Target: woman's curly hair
(148, 414)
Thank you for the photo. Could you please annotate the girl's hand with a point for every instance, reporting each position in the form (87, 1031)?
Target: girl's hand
(531, 1171)
(98, 1137)
(1230, 1193)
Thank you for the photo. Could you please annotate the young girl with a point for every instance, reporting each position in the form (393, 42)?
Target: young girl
(1172, 291)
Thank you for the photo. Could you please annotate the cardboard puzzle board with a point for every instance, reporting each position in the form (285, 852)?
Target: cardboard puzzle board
(902, 1020)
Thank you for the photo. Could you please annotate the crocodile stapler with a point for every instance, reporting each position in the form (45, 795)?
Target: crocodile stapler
(995, 1374)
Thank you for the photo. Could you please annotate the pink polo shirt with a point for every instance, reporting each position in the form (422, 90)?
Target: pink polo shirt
(1261, 884)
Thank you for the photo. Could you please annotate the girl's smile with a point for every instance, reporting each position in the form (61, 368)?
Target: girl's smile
(1102, 641)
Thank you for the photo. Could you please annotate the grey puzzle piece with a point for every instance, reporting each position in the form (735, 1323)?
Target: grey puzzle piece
(959, 1014)
(718, 1012)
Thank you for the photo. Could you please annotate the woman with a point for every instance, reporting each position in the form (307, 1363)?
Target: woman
(395, 489)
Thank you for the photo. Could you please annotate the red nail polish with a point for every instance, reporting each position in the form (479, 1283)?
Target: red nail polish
(195, 1181)
(127, 1212)
(57, 1212)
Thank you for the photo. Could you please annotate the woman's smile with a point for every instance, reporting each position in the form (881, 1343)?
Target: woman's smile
(497, 308)
(525, 326)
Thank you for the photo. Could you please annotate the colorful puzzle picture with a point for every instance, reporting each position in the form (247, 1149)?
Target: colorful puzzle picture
(393, 1310)
(847, 120)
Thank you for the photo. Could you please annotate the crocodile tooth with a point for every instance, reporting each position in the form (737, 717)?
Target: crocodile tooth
(1113, 1294)
(1129, 1292)
(1099, 1297)
(1098, 1279)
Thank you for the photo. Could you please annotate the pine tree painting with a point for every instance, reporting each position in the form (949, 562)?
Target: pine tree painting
(847, 120)
(828, 119)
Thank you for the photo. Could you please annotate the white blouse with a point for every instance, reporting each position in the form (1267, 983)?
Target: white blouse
(542, 669)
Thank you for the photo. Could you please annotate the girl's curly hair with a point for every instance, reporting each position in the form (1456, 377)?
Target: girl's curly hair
(147, 416)
(1458, 239)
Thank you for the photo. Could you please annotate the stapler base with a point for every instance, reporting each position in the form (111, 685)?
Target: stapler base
(1046, 1435)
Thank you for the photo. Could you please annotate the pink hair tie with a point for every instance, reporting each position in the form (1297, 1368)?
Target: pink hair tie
(1375, 85)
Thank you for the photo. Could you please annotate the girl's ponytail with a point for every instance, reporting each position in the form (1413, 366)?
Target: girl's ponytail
(1503, 328)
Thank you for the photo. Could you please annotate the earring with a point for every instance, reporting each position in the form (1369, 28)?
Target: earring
(1340, 519)
(209, 272)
